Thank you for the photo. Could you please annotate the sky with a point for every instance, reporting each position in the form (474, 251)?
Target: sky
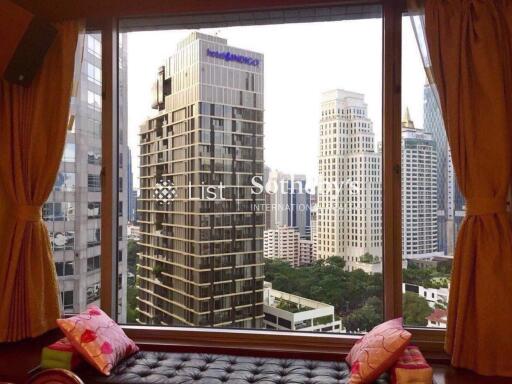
(302, 60)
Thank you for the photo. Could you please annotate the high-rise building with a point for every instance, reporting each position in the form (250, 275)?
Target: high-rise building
(282, 244)
(419, 191)
(132, 193)
(201, 258)
(307, 252)
(450, 203)
(299, 203)
(72, 212)
(349, 193)
(289, 202)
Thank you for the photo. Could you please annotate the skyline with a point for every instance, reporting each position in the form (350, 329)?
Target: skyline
(283, 97)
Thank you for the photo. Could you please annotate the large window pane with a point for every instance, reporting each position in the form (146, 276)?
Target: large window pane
(72, 213)
(432, 206)
(254, 167)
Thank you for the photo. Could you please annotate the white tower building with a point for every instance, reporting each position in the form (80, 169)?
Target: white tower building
(349, 196)
(419, 191)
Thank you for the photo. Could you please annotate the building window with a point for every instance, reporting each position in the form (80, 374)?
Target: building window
(94, 100)
(94, 44)
(93, 263)
(94, 210)
(69, 153)
(65, 182)
(93, 292)
(93, 237)
(94, 73)
(67, 300)
(59, 211)
(66, 268)
(93, 183)
(94, 157)
(62, 240)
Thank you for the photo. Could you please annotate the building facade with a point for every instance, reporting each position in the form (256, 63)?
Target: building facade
(132, 193)
(289, 202)
(348, 217)
(450, 203)
(287, 312)
(201, 259)
(307, 252)
(72, 212)
(282, 244)
(419, 192)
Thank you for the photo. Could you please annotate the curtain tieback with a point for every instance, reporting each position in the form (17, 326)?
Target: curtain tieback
(486, 205)
(28, 212)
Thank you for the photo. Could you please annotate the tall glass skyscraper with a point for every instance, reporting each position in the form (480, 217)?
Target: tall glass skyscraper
(73, 211)
(450, 203)
(201, 259)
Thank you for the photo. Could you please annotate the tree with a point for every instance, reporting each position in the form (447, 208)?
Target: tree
(131, 313)
(444, 267)
(416, 309)
(327, 281)
(366, 317)
(132, 249)
(417, 276)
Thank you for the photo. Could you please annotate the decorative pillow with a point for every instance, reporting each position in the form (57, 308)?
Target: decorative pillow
(60, 354)
(411, 368)
(97, 338)
(377, 351)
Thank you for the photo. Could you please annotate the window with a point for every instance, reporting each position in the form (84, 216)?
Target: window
(432, 205)
(94, 100)
(65, 268)
(93, 210)
(67, 300)
(93, 183)
(217, 247)
(93, 237)
(94, 157)
(69, 152)
(94, 44)
(65, 182)
(62, 240)
(64, 211)
(93, 292)
(185, 122)
(93, 263)
(94, 73)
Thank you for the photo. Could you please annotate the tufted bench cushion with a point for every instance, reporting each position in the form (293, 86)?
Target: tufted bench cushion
(202, 368)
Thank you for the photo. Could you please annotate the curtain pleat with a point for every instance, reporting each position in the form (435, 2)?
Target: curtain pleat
(33, 124)
(469, 42)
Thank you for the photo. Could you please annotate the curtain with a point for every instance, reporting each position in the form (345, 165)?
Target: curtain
(33, 125)
(469, 42)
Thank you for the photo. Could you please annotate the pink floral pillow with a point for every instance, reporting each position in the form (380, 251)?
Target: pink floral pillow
(97, 338)
(377, 351)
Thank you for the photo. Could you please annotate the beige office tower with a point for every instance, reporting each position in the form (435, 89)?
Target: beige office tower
(201, 260)
(349, 194)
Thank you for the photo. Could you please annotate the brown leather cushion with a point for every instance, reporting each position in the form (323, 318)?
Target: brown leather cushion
(199, 368)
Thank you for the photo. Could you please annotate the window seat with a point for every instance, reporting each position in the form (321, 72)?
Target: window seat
(203, 368)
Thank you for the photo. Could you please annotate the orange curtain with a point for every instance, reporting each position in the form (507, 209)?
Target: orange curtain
(470, 50)
(33, 124)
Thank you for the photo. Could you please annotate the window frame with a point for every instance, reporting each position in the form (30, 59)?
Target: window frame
(431, 341)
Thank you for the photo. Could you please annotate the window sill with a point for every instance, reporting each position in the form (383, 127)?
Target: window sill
(269, 343)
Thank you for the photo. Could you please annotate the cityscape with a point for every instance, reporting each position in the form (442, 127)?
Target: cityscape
(213, 236)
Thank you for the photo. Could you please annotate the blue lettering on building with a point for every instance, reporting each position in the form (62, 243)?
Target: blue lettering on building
(228, 56)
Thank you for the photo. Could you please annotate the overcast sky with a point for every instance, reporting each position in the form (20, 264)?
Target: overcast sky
(301, 61)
